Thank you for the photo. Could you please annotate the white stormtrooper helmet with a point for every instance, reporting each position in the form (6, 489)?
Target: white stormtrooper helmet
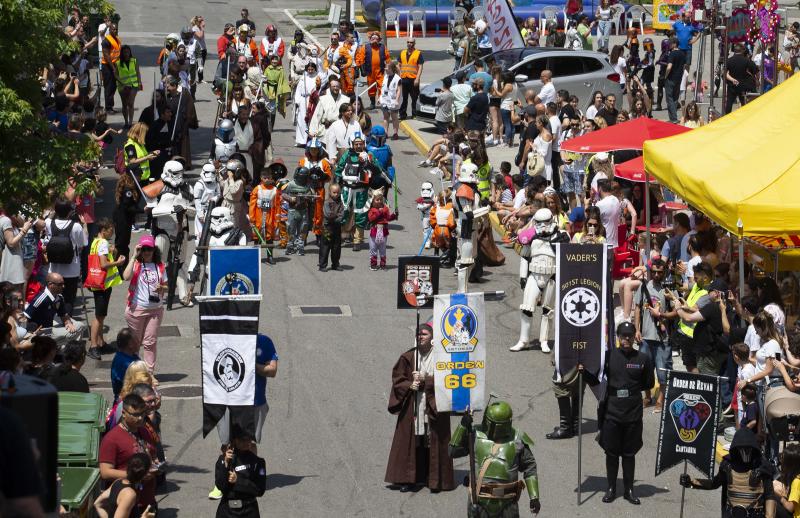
(173, 173)
(426, 190)
(209, 173)
(468, 173)
(543, 222)
(221, 220)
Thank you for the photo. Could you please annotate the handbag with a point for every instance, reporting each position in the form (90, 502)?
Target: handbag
(96, 276)
(535, 165)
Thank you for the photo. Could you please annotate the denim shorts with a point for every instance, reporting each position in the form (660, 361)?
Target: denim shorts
(661, 355)
(572, 182)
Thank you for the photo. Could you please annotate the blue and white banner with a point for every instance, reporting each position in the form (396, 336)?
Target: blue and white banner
(459, 352)
(234, 270)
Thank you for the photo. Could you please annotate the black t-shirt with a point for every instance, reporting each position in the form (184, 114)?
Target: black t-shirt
(631, 371)
(530, 133)
(567, 112)
(249, 23)
(610, 116)
(678, 60)
(67, 379)
(743, 70)
(708, 332)
(478, 111)
(19, 477)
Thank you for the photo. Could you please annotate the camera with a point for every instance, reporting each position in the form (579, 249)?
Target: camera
(155, 299)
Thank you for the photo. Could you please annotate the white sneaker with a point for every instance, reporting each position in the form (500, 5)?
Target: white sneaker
(424, 163)
(437, 171)
(519, 346)
(675, 354)
(545, 347)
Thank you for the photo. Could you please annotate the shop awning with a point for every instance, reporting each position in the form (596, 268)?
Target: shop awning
(633, 171)
(626, 135)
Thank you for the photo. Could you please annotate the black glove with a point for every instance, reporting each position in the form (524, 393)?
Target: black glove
(536, 506)
(466, 421)
(522, 282)
(686, 480)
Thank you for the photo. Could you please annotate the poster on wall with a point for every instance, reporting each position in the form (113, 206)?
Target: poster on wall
(667, 12)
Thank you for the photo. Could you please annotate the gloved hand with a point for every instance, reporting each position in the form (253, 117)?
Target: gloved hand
(466, 421)
(536, 506)
(522, 282)
(686, 480)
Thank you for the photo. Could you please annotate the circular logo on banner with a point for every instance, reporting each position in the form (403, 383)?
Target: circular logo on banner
(580, 306)
(229, 369)
(459, 327)
(234, 283)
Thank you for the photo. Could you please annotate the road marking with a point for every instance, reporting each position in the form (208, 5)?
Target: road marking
(299, 26)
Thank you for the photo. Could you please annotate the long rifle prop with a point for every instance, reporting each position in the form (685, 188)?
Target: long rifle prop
(175, 259)
(198, 272)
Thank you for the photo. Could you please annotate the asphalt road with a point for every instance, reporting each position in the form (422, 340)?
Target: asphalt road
(327, 435)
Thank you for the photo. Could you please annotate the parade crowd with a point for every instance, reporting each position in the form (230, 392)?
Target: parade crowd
(679, 301)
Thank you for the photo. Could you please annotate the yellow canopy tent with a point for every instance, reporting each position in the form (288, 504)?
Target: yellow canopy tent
(742, 169)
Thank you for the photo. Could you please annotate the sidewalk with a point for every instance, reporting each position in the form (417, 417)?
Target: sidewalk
(422, 133)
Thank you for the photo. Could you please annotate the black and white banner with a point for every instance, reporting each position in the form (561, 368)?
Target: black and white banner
(689, 422)
(581, 326)
(417, 281)
(228, 329)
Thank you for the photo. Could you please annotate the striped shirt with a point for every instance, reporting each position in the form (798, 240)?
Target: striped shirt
(43, 309)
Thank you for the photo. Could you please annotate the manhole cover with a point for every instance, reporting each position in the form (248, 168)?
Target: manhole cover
(168, 331)
(182, 391)
(320, 311)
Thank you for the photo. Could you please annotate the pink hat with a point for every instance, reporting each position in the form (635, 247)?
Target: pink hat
(147, 240)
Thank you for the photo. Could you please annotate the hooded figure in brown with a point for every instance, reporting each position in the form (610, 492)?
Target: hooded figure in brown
(419, 448)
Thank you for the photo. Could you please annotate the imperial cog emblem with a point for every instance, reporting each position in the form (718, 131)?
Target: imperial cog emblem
(234, 283)
(580, 306)
(229, 369)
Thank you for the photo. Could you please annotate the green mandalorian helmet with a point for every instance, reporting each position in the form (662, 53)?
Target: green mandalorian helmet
(497, 420)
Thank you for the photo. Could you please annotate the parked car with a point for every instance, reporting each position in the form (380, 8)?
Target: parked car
(580, 72)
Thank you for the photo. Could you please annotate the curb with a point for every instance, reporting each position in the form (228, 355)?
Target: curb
(416, 138)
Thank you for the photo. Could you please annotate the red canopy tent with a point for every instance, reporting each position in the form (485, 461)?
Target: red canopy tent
(633, 171)
(626, 135)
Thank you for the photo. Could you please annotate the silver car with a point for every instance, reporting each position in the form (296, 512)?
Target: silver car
(580, 72)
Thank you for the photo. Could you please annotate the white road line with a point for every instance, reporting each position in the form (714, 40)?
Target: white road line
(299, 26)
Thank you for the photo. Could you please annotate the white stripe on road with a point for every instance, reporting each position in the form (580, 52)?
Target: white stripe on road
(294, 21)
(226, 317)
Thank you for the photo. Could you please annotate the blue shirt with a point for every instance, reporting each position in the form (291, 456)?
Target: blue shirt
(487, 80)
(382, 154)
(265, 353)
(684, 34)
(119, 365)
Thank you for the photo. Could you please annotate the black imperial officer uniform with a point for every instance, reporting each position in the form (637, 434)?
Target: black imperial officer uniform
(629, 372)
(241, 476)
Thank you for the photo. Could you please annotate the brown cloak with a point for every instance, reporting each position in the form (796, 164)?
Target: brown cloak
(401, 468)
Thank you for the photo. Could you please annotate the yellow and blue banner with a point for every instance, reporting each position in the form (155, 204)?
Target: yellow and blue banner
(459, 348)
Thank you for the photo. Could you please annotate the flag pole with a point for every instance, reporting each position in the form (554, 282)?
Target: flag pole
(580, 427)
(416, 365)
(683, 489)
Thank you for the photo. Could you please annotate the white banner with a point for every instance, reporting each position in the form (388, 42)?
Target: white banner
(459, 352)
(504, 31)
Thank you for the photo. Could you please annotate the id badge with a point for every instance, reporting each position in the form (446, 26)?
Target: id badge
(623, 393)
(235, 504)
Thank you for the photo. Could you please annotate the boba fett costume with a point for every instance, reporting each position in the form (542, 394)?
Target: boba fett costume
(353, 173)
(502, 453)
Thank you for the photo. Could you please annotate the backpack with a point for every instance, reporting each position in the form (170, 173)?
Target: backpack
(60, 249)
(119, 162)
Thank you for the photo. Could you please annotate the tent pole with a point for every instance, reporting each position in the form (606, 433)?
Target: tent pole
(647, 213)
(740, 226)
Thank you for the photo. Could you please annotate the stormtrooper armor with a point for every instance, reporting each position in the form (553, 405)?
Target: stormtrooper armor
(205, 191)
(537, 268)
(225, 143)
(171, 216)
(424, 204)
(469, 209)
(223, 231)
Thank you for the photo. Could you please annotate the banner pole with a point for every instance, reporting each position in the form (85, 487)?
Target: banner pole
(416, 363)
(580, 427)
(683, 489)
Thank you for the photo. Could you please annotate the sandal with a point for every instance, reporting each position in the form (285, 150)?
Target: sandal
(187, 301)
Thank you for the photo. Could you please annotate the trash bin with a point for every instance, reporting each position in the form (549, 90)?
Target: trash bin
(79, 488)
(78, 444)
(78, 407)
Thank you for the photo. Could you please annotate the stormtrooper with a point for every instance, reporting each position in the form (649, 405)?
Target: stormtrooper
(225, 141)
(221, 232)
(424, 204)
(537, 268)
(171, 223)
(469, 209)
(206, 194)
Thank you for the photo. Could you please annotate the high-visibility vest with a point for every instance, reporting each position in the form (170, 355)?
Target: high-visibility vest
(127, 74)
(112, 274)
(484, 185)
(116, 45)
(409, 67)
(141, 151)
(687, 328)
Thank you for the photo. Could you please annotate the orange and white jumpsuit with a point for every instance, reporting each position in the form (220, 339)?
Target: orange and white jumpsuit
(264, 209)
(443, 223)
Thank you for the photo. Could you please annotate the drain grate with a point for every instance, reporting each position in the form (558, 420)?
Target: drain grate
(165, 331)
(320, 311)
(182, 391)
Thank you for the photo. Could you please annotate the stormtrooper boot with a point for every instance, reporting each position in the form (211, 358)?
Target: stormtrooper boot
(544, 326)
(524, 333)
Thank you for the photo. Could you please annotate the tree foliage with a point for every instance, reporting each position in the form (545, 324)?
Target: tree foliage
(34, 161)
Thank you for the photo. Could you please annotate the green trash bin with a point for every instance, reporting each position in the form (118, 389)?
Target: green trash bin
(79, 488)
(78, 444)
(80, 407)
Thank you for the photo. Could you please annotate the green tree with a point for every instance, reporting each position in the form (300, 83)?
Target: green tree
(34, 162)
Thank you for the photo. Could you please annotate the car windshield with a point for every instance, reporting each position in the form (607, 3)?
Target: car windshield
(504, 58)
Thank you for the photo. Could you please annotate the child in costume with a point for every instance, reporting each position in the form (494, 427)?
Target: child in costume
(424, 204)
(379, 217)
(443, 222)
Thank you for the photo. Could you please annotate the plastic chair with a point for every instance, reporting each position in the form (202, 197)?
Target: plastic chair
(456, 16)
(617, 12)
(635, 14)
(478, 13)
(393, 16)
(416, 16)
(548, 13)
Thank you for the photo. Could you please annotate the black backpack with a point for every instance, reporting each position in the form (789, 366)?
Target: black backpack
(60, 249)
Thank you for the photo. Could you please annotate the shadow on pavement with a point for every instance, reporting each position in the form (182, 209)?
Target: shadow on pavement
(593, 485)
(170, 377)
(276, 480)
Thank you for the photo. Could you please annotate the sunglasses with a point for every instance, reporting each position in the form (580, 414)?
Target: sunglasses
(593, 225)
(147, 249)
(56, 283)
(135, 414)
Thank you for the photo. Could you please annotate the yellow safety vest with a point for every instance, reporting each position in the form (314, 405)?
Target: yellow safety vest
(113, 277)
(127, 74)
(141, 151)
(408, 66)
(687, 328)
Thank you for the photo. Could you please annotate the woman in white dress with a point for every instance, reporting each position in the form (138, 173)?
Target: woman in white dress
(544, 144)
(391, 93)
(306, 95)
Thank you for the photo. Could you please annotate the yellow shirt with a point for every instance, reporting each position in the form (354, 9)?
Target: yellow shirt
(794, 496)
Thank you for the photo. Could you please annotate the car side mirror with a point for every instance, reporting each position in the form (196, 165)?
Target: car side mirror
(520, 78)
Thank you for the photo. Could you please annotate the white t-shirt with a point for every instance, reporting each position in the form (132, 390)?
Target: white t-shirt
(591, 112)
(694, 261)
(146, 285)
(548, 93)
(765, 354)
(609, 216)
(619, 68)
(485, 39)
(555, 129)
(751, 339)
(79, 240)
(102, 246)
(519, 198)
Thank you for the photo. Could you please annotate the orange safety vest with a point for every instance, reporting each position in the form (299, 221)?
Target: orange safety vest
(409, 67)
(116, 45)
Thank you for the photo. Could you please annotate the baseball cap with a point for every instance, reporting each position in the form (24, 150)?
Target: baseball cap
(718, 285)
(147, 241)
(626, 329)
(577, 214)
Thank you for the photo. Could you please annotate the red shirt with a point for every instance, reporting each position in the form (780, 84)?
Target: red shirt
(118, 445)
(222, 45)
